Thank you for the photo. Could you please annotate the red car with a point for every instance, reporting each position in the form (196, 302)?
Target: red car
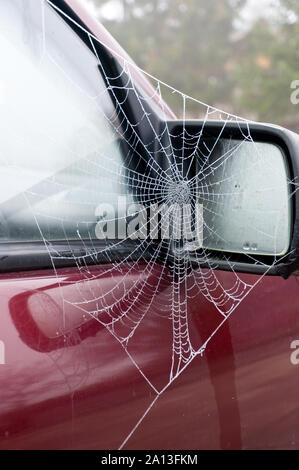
(139, 341)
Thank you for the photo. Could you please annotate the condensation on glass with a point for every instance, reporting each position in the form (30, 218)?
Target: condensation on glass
(244, 191)
(58, 147)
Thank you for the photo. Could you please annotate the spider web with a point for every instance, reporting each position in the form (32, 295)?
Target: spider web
(173, 165)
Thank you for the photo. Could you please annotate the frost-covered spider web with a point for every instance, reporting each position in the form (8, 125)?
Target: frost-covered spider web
(103, 204)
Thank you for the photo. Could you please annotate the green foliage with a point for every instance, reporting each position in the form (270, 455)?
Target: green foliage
(194, 46)
(267, 62)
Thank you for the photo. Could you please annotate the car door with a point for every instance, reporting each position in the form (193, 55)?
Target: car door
(107, 342)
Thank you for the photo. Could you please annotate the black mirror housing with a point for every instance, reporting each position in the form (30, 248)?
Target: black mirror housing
(185, 136)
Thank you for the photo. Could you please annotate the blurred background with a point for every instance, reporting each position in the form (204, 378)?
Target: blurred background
(238, 55)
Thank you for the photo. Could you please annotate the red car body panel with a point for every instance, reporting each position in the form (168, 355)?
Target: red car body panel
(242, 393)
(86, 393)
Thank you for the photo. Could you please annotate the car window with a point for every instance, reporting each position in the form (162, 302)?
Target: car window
(59, 153)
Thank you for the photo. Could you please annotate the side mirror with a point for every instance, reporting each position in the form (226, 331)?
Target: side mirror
(245, 177)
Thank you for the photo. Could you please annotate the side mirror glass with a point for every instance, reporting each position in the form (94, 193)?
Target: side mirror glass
(243, 188)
